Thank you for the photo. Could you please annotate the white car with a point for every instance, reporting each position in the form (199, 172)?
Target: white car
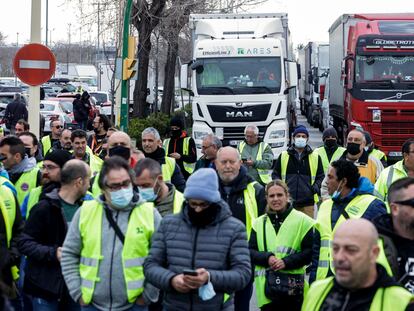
(102, 101)
(52, 110)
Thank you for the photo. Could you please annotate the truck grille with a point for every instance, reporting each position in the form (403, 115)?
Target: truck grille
(237, 134)
(392, 135)
(398, 128)
(239, 114)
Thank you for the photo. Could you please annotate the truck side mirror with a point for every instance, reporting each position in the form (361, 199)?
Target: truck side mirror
(198, 66)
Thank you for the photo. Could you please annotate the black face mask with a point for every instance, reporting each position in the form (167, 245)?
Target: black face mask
(176, 133)
(203, 218)
(331, 143)
(353, 148)
(28, 151)
(121, 151)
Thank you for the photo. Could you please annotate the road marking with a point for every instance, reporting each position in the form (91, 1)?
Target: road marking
(34, 64)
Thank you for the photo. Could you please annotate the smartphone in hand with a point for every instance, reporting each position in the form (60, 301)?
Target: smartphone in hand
(190, 272)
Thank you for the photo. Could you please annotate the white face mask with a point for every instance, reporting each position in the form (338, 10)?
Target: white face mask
(300, 142)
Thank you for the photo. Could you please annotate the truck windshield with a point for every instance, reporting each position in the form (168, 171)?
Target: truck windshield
(247, 75)
(379, 69)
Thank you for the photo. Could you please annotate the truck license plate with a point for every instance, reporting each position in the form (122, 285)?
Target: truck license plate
(233, 142)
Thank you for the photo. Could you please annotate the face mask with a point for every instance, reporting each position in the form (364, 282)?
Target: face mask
(28, 151)
(206, 292)
(121, 151)
(300, 142)
(147, 194)
(203, 218)
(122, 197)
(337, 194)
(176, 133)
(353, 148)
(331, 143)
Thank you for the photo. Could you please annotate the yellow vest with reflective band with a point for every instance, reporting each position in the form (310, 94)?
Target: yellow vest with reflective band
(8, 210)
(394, 298)
(378, 154)
(168, 168)
(189, 167)
(96, 190)
(265, 175)
(178, 201)
(26, 182)
(95, 163)
(135, 250)
(321, 151)
(382, 259)
(250, 205)
(355, 209)
(313, 165)
(284, 243)
(46, 144)
(33, 199)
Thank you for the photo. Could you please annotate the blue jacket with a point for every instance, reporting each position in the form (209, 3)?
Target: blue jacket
(376, 208)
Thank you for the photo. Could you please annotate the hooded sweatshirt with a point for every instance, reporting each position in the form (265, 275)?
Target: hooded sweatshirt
(405, 251)
(110, 293)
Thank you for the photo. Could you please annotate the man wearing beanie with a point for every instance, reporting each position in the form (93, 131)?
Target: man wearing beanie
(51, 167)
(374, 152)
(201, 254)
(302, 170)
(330, 151)
(181, 147)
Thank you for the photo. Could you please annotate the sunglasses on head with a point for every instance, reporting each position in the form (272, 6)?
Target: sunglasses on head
(409, 202)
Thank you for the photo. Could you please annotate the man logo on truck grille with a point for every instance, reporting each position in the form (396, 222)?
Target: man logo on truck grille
(239, 114)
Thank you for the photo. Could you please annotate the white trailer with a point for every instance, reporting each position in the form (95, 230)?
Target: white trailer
(243, 72)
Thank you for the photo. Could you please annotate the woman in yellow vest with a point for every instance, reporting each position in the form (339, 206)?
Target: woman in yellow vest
(280, 247)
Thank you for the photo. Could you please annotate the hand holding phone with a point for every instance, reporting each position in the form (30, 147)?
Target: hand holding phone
(190, 272)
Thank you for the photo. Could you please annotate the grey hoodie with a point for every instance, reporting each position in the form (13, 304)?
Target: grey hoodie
(110, 293)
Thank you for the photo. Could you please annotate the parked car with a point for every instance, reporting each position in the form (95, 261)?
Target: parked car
(52, 110)
(102, 101)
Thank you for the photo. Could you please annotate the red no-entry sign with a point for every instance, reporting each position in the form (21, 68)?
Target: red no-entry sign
(34, 64)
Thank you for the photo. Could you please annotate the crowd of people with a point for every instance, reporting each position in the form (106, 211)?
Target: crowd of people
(90, 222)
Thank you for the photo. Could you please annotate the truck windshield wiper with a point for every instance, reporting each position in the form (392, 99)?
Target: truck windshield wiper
(217, 90)
(260, 88)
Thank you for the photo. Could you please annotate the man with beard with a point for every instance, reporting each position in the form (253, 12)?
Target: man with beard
(397, 232)
(246, 199)
(101, 125)
(51, 168)
(359, 283)
(171, 172)
(181, 147)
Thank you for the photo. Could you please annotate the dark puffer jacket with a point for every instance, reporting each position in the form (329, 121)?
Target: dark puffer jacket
(220, 247)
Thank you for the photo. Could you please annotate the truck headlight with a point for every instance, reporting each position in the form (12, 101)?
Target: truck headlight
(277, 134)
(200, 135)
(376, 115)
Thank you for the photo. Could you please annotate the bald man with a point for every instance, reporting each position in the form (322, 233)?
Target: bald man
(360, 283)
(246, 199)
(119, 143)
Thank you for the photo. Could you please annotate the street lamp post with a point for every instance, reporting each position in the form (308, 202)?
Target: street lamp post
(47, 21)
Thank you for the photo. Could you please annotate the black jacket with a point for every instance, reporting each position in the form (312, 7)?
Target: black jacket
(10, 256)
(176, 145)
(340, 298)
(177, 178)
(398, 250)
(293, 261)
(15, 111)
(298, 177)
(233, 194)
(44, 232)
(80, 110)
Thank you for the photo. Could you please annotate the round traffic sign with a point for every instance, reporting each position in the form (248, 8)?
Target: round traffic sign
(34, 64)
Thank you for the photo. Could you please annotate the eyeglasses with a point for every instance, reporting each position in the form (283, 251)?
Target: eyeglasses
(409, 202)
(206, 147)
(49, 167)
(198, 204)
(118, 186)
(58, 126)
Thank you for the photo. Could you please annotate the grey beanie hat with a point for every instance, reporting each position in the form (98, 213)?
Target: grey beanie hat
(330, 131)
(203, 185)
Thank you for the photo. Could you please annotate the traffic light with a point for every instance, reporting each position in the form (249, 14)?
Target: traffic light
(128, 66)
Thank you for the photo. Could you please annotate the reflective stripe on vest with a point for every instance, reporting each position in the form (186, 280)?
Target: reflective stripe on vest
(8, 210)
(321, 151)
(34, 196)
(250, 205)
(168, 169)
(287, 241)
(178, 201)
(355, 209)
(378, 154)
(189, 167)
(26, 182)
(313, 166)
(135, 249)
(46, 144)
(265, 175)
(393, 298)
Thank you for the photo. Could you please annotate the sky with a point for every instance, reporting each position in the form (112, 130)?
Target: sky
(309, 20)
